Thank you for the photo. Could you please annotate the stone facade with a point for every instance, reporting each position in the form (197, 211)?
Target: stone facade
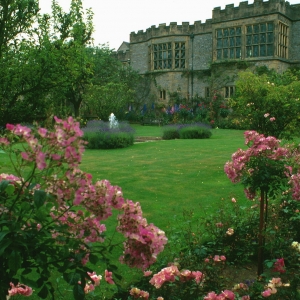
(193, 59)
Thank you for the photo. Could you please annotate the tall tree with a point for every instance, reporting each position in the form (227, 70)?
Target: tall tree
(114, 87)
(74, 34)
(43, 64)
(16, 19)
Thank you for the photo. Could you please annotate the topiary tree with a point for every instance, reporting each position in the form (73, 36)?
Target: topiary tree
(262, 167)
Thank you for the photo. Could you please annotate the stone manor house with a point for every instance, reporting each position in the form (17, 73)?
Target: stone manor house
(192, 60)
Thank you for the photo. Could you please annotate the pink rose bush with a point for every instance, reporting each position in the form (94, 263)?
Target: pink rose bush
(170, 274)
(19, 289)
(258, 166)
(57, 211)
(225, 295)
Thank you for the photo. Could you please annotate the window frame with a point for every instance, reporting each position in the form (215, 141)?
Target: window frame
(283, 39)
(229, 42)
(260, 39)
(168, 56)
(229, 91)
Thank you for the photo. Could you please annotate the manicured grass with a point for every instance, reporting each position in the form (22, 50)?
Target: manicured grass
(147, 130)
(167, 177)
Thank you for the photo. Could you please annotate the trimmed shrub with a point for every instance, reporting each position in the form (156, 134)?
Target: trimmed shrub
(99, 135)
(194, 132)
(170, 133)
(187, 131)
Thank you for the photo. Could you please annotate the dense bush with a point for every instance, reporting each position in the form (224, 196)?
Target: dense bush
(187, 131)
(223, 246)
(100, 135)
(194, 132)
(170, 133)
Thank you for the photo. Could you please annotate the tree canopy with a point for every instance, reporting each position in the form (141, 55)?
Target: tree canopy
(49, 65)
(268, 103)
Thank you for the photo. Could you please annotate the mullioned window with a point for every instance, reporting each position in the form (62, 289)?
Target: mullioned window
(168, 56)
(254, 40)
(283, 41)
(229, 42)
(260, 40)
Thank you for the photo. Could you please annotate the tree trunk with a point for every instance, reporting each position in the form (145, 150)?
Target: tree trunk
(262, 229)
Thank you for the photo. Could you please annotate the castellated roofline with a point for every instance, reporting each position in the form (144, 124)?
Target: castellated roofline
(172, 29)
(259, 7)
(244, 10)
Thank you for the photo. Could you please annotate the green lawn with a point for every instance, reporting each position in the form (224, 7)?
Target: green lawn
(147, 130)
(169, 176)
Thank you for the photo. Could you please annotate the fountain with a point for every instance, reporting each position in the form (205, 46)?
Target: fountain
(113, 122)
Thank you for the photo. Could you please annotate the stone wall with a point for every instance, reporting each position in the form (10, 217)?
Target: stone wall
(201, 46)
(294, 52)
(258, 8)
(202, 51)
(139, 57)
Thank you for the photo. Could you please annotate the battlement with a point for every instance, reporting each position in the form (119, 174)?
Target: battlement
(259, 7)
(172, 29)
(244, 10)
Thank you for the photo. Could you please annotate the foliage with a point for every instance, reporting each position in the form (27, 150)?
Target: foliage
(268, 104)
(170, 132)
(44, 71)
(107, 90)
(52, 216)
(100, 135)
(103, 99)
(186, 131)
(194, 132)
(261, 167)
(221, 246)
(15, 18)
(231, 232)
(212, 110)
(48, 67)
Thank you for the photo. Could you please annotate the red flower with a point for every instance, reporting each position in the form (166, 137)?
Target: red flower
(279, 266)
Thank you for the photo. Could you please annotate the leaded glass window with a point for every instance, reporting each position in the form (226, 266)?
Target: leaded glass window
(229, 43)
(283, 41)
(168, 56)
(179, 55)
(260, 40)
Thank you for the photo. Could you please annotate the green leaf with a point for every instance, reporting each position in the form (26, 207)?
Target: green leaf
(25, 206)
(269, 264)
(78, 292)
(43, 293)
(4, 245)
(39, 198)
(118, 276)
(10, 189)
(26, 271)
(14, 261)
(93, 259)
(3, 185)
(3, 234)
(112, 267)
